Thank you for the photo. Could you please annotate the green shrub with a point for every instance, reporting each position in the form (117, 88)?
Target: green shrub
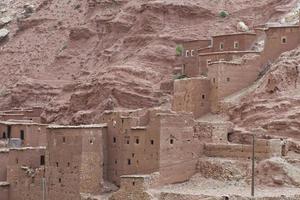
(179, 50)
(223, 14)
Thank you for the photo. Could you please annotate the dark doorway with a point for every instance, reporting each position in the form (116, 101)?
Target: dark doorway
(22, 135)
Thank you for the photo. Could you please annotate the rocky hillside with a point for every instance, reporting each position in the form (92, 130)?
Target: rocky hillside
(272, 105)
(79, 57)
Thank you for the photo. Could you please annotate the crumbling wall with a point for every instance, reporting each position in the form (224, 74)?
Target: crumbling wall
(192, 95)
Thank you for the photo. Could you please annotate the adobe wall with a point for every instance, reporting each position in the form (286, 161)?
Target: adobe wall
(228, 78)
(192, 95)
(25, 173)
(263, 149)
(190, 66)
(132, 143)
(179, 150)
(216, 132)
(35, 134)
(245, 42)
(4, 188)
(274, 45)
(3, 164)
(133, 187)
(75, 161)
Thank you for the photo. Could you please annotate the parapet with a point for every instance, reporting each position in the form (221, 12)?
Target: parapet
(104, 125)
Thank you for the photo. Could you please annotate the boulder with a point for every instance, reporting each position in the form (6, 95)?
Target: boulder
(4, 21)
(3, 33)
(242, 27)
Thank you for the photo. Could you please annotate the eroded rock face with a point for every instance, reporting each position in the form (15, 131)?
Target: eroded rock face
(271, 106)
(95, 50)
(278, 172)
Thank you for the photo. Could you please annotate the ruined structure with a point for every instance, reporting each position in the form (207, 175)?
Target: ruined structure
(140, 149)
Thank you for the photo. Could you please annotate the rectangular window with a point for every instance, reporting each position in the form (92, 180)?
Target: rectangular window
(236, 45)
(283, 40)
(114, 139)
(129, 162)
(42, 161)
(221, 46)
(187, 53)
(22, 135)
(192, 52)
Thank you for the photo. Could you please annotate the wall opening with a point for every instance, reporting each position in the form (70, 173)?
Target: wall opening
(68, 164)
(187, 53)
(192, 52)
(133, 183)
(236, 45)
(171, 141)
(203, 96)
(4, 135)
(8, 131)
(137, 141)
(64, 140)
(221, 46)
(127, 142)
(42, 160)
(56, 164)
(152, 142)
(283, 40)
(116, 161)
(17, 160)
(228, 79)
(132, 155)
(22, 135)
(114, 139)
(59, 180)
(129, 162)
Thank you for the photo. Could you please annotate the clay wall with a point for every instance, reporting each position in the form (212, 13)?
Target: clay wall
(179, 150)
(4, 188)
(244, 42)
(195, 46)
(132, 147)
(192, 95)
(34, 134)
(25, 173)
(263, 149)
(75, 161)
(228, 78)
(134, 187)
(3, 164)
(206, 58)
(279, 40)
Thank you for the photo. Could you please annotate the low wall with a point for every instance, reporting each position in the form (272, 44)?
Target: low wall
(263, 149)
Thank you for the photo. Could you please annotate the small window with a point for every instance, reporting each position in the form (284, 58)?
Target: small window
(17, 160)
(59, 180)
(32, 180)
(68, 164)
(214, 80)
(64, 140)
(4, 135)
(187, 53)
(228, 79)
(42, 160)
(129, 162)
(133, 155)
(127, 142)
(203, 96)
(221, 46)
(22, 135)
(114, 139)
(192, 52)
(236, 45)
(116, 161)
(56, 164)
(152, 142)
(137, 141)
(133, 183)
(283, 40)
(171, 141)
(91, 141)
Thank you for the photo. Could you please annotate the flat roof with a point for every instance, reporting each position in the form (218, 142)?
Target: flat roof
(27, 148)
(4, 150)
(232, 34)
(4, 183)
(138, 127)
(21, 122)
(227, 52)
(142, 176)
(77, 127)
